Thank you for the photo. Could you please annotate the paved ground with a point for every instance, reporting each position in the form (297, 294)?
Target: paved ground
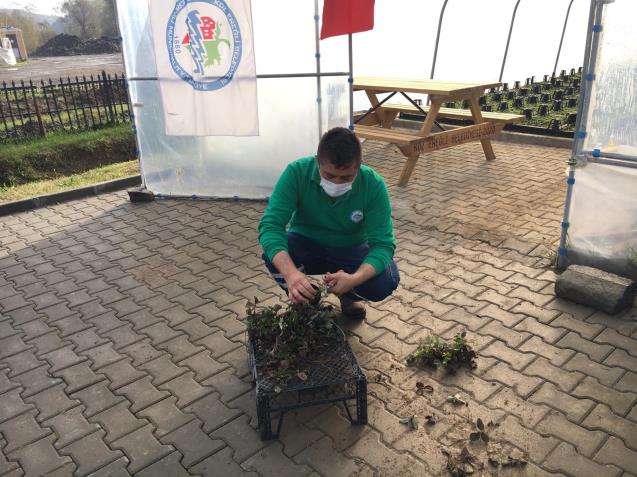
(54, 67)
(121, 348)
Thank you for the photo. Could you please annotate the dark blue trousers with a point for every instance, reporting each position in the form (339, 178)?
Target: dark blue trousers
(314, 259)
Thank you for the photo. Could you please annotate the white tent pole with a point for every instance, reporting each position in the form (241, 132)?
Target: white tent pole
(130, 99)
(590, 54)
(350, 80)
(559, 48)
(318, 68)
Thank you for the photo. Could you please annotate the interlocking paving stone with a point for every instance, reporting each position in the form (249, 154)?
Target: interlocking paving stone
(145, 300)
(141, 393)
(51, 401)
(121, 373)
(116, 468)
(22, 362)
(96, 398)
(228, 384)
(142, 448)
(62, 358)
(170, 466)
(21, 430)
(39, 457)
(614, 452)
(165, 416)
(193, 443)
(70, 425)
(118, 421)
(585, 441)
(604, 419)
(12, 405)
(565, 458)
(203, 365)
(78, 377)
(90, 453)
(221, 463)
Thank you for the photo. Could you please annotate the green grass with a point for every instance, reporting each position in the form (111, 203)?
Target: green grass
(61, 139)
(93, 176)
(64, 154)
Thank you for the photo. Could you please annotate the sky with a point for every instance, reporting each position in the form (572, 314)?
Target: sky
(46, 7)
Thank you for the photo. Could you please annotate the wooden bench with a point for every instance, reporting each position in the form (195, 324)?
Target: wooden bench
(412, 144)
(455, 113)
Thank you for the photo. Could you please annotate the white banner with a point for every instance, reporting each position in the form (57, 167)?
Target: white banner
(205, 63)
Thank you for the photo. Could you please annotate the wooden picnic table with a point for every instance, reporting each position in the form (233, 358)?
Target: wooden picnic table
(377, 122)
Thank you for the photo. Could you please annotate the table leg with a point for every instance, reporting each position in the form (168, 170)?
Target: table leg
(478, 119)
(431, 117)
(386, 118)
(409, 151)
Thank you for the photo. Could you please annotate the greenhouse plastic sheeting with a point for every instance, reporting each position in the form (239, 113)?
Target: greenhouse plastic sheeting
(472, 42)
(602, 230)
(245, 167)
(612, 112)
(603, 219)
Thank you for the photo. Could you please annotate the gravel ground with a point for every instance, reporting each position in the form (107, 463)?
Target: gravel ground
(37, 69)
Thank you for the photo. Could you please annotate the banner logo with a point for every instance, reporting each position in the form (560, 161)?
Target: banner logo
(204, 43)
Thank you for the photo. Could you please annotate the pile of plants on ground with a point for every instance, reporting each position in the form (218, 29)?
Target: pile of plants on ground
(289, 341)
(70, 45)
(432, 351)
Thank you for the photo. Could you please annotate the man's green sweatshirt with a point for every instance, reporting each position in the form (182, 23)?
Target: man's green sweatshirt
(361, 215)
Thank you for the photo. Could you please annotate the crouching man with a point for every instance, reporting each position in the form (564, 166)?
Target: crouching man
(340, 226)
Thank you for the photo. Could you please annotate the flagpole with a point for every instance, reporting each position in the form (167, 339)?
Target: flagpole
(318, 68)
(350, 80)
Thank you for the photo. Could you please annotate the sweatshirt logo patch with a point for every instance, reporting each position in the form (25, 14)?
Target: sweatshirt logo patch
(356, 216)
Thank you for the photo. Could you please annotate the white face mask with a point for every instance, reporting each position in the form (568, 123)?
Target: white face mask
(335, 190)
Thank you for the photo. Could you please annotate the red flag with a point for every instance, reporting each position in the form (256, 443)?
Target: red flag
(342, 17)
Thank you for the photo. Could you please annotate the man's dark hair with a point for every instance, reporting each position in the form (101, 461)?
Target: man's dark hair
(340, 147)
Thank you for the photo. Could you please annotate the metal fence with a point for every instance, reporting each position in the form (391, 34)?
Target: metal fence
(29, 109)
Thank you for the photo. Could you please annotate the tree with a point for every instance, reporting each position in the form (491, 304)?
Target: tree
(109, 19)
(82, 17)
(34, 33)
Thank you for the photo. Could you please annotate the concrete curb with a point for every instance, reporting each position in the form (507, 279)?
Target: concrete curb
(505, 136)
(57, 197)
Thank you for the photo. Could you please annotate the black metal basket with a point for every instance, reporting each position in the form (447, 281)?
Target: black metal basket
(333, 375)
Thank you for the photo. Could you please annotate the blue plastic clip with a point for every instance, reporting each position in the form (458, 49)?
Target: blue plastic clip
(351, 127)
(193, 197)
(316, 17)
(570, 180)
(597, 28)
(350, 80)
(565, 225)
(318, 100)
(561, 251)
(597, 153)
(235, 198)
(590, 77)
(317, 55)
(581, 134)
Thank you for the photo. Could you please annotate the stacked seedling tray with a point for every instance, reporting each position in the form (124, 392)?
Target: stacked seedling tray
(327, 373)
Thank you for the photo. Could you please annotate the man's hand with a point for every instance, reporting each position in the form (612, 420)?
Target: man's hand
(299, 288)
(340, 282)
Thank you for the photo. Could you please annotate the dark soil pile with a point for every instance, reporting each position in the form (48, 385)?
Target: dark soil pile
(70, 45)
